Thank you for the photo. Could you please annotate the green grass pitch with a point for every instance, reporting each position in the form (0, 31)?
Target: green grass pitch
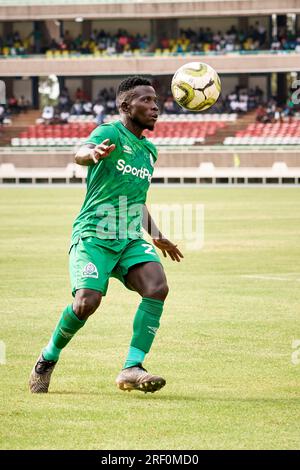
(224, 346)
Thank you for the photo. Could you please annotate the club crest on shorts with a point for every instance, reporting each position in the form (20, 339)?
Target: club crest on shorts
(90, 270)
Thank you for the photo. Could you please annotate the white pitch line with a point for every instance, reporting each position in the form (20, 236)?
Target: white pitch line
(270, 277)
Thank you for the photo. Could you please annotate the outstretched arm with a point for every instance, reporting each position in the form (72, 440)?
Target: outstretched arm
(165, 245)
(90, 154)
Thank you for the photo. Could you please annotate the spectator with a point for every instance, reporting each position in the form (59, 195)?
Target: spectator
(64, 117)
(261, 114)
(13, 105)
(77, 108)
(111, 106)
(87, 107)
(80, 95)
(48, 114)
(169, 106)
(2, 114)
(99, 112)
(23, 104)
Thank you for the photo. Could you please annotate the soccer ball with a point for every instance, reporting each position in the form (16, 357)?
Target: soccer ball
(196, 86)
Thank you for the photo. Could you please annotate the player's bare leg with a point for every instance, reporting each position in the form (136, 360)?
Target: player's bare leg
(149, 280)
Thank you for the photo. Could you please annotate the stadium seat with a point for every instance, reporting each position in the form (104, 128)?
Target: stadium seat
(267, 134)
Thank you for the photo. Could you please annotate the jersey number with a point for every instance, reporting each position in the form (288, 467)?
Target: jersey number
(149, 249)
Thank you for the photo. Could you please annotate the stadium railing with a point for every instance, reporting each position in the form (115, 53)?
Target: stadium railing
(206, 173)
(57, 54)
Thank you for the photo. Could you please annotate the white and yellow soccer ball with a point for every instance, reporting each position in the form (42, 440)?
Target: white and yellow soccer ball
(196, 86)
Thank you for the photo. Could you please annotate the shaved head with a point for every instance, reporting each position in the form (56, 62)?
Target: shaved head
(126, 88)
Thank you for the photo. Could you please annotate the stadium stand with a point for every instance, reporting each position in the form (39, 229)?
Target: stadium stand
(170, 130)
(203, 40)
(254, 45)
(267, 134)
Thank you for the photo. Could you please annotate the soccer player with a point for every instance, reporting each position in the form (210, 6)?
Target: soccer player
(107, 239)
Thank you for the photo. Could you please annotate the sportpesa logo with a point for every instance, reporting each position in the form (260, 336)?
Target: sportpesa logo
(139, 172)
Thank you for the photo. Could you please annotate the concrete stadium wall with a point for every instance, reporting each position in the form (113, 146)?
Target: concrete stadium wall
(151, 9)
(167, 158)
(223, 24)
(132, 26)
(92, 66)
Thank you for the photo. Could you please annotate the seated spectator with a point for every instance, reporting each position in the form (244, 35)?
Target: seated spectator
(80, 95)
(99, 112)
(2, 114)
(48, 114)
(111, 106)
(275, 45)
(64, 117)
(87, 107)
(238, 106)
(23, 104)
(77, 108)
(13, 105)
(261, 114)
(278, 115)
(169, 106)
(63, 101)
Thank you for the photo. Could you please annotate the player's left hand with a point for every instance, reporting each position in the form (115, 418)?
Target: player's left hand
(169, 248)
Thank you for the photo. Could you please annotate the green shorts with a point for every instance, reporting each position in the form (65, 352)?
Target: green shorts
(92, 264)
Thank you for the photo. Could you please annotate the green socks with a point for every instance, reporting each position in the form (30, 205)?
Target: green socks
(64, 331)
(135, 356)
(145, 326)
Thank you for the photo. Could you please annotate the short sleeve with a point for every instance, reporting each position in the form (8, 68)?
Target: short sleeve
(151, 147)
(102, 132)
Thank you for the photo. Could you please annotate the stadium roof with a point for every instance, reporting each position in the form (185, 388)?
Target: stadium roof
(135, 9)
(89, 2)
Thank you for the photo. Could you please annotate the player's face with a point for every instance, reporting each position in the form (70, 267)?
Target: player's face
(143, 108)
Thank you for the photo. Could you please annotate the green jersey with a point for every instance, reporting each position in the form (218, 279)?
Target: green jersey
(116, 188)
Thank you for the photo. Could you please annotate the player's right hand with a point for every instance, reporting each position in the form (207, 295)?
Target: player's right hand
(102, 150)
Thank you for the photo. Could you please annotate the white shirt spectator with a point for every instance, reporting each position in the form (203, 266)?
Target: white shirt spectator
(244, 98)
(229, 47)
(98, 109)
(238, 106)
(64, 115)
(111, 50)
(87, 107)
(261, 29)
(232, 97)
(111, 104)
(275, 46)
(77, 108)
(48, 112)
